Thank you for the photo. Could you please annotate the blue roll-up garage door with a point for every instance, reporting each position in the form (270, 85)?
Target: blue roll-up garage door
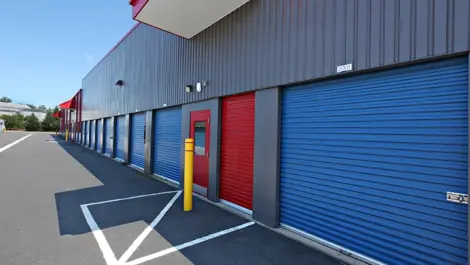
(120, 135)
(167, 144)
(92, 134)
(99, 128)
(107, 141)
(366, 162)
(137, 146)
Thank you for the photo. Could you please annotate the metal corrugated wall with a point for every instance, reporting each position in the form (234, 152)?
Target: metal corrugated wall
(167, 143)
(82, 133)
(366, 162)
(120, 137)
(267, 43)
(237, 150)
(137, 140)
(99, 128)
(107, 141)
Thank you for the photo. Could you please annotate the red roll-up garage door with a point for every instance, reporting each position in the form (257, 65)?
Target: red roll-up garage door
(237, 147)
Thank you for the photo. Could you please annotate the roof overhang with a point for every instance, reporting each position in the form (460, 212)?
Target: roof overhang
(184, 18)
(66, 105)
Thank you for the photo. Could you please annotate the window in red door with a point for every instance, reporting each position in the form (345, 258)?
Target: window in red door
(200, 132)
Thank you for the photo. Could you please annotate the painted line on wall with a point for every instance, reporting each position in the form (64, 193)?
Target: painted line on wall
(138, 241)
(188, 244)
(6, 147)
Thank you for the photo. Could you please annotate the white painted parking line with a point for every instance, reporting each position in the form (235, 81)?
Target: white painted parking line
(14, 143)
(108, 253)
(188, 244)
(138, 241)
(130, 198)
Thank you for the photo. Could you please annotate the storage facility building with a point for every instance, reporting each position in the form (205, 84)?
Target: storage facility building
(341, 121)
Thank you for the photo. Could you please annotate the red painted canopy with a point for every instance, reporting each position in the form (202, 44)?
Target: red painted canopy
(66, 105)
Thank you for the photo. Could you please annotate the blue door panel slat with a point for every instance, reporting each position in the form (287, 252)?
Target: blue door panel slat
(455, 156)
(389, 177)
(120, 135)
(366, 162)
(374, 192)
(167, 143)
(363, 208)
(388, 163)
(379, 78)
(369, 94)
(137, 145)
(388, 235)
(328, 230)
(439, 148)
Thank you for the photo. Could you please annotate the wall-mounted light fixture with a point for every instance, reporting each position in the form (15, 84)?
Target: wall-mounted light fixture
(189, 89)
(119, 83)
(200, 85)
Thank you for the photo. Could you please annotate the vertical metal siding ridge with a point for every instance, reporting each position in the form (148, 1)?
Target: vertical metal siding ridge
(167, 141)
(93, 135)
(270, 43)
(98, 134)
(236, 157)
(120, 134)
(105, 135)
(383, 244)
(137, 144)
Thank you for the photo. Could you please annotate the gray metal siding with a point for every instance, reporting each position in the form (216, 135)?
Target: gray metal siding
(267, 43)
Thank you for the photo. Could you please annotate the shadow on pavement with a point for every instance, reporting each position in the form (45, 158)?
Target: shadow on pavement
(252, 245)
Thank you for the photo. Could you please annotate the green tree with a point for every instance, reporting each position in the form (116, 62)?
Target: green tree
(42, 107)
(50, 124)
(6, 100)
(15, 121)
(19, 118)
(32, 123)
(31, 106)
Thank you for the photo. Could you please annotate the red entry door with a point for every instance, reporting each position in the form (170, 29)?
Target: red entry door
(200, 132)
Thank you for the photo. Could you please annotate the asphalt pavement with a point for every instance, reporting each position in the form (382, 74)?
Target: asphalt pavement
(10, 137)
(61, 203)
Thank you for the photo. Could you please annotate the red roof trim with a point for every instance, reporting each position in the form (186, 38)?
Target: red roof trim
(137, 6)
(66, 105)
(56, 114)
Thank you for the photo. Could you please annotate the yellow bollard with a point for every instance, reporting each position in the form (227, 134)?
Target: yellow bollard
(188, 174)
(67, 135)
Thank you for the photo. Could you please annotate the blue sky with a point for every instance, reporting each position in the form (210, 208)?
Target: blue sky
(47, 47)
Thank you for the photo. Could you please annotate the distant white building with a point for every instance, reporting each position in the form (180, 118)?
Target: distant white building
(12, 108)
